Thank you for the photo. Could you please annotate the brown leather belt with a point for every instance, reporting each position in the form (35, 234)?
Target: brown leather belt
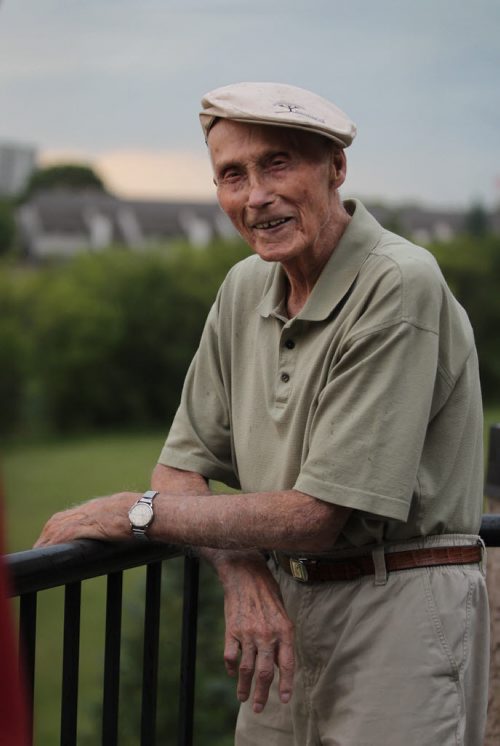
(309, 570)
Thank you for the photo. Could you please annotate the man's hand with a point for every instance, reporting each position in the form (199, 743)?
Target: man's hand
(103, 518)
(259, 634)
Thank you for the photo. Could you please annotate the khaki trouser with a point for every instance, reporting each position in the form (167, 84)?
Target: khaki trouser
(400, 660)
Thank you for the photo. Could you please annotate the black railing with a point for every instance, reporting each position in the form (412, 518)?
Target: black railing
(68, 565)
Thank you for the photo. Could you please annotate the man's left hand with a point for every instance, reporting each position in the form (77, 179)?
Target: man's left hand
(103, 518)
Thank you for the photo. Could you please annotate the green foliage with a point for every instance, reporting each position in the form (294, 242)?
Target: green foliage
(471, 266)
(7, 227)
(110, 336)
(68, 176)
(12, 355)
(105, 340)
(477, 221)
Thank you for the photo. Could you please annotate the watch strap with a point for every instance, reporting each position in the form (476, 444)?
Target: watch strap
(146, 499)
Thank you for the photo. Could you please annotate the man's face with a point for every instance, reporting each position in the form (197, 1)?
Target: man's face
(276, 185)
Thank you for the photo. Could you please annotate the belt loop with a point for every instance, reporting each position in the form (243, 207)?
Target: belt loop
(483, 555)
(378, 557)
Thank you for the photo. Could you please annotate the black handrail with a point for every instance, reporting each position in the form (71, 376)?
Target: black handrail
(50, 567)
(67, 565)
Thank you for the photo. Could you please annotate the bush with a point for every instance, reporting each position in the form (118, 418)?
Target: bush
(471, 266)
(7, 227)
(114, 333)
(12, 355)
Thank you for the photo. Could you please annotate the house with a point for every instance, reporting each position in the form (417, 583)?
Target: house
(64, 222)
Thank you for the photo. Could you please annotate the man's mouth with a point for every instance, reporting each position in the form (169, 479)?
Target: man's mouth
(266, 225)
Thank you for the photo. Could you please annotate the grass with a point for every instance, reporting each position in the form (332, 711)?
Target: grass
(39, 479)
(43, 477)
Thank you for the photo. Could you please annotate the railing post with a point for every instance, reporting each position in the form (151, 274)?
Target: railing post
(188, 650)
(492, 492)
(151, 651)
(27, 648)
(71, 659)
(112, 645)
(492, 487)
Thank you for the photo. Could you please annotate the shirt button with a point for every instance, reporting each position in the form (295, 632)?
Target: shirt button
(290, 344)
(285, 377)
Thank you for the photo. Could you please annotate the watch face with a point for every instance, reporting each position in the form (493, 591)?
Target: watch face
(140, 515)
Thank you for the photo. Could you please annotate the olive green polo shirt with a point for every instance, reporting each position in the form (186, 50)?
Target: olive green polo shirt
(368, 398)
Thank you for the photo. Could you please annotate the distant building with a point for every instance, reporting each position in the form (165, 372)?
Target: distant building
(421, 224)
(63, 222)
(17, 163)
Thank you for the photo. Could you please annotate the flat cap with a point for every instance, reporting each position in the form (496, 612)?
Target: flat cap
(280, 105)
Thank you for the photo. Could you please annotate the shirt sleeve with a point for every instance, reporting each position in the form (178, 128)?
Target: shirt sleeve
(370, 424)
(200, 437)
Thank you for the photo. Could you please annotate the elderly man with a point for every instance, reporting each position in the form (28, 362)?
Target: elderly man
(336, 385)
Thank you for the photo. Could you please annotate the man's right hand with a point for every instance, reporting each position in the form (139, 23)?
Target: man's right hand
(259, 633)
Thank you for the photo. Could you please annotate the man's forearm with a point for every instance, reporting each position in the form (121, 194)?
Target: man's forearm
(227, 535)
(177, 481)
(287, 519)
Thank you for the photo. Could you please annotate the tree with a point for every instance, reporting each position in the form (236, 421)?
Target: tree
(471, 266)
(477, 221)
(67, 176)
(7, 227)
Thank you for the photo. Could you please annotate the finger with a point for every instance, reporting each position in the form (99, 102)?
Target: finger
(231, 655)
(246, 671)
(264, 674)
(286, 667)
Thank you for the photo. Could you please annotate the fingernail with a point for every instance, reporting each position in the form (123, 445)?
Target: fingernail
(285, 697)
(258, 708)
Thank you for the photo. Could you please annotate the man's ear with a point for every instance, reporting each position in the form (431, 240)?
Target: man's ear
(338, 167)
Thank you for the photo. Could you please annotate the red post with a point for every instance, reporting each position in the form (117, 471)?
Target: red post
(13, 711)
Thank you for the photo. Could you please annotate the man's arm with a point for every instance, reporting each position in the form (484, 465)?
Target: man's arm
(288, 520)
(258, 632)
(256, 621)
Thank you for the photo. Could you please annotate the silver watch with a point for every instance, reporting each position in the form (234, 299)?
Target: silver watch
(141, 513)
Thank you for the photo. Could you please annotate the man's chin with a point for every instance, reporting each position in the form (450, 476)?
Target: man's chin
(274, 252)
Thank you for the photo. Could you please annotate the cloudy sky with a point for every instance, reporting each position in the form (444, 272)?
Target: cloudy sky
(118, 83)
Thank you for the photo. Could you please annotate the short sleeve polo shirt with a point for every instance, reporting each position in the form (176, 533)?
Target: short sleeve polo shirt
(368, 398)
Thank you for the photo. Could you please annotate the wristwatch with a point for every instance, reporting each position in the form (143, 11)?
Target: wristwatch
(141, 514)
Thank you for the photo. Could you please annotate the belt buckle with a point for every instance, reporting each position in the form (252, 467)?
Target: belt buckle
(299, 569)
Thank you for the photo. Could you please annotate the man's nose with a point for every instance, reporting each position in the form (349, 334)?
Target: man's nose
(259, 193)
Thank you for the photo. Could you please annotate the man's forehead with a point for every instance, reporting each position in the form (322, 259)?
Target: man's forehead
(228, 137)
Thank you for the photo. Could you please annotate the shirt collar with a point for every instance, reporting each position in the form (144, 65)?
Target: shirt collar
(358, 240)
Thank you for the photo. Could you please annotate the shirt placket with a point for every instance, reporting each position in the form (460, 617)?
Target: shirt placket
(287, 359)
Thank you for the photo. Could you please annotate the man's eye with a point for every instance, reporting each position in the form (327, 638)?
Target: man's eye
(230, 175)
(278, 162)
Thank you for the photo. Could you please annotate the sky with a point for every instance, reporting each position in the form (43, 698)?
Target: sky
(117, 83)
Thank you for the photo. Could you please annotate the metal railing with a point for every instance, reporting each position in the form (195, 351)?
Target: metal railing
(68, 565)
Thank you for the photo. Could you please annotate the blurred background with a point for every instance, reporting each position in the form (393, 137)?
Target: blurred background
(112, 245)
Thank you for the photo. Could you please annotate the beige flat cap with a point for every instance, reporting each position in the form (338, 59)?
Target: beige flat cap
(280, 105)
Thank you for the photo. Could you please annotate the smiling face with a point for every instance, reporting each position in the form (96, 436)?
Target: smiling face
(278, 187)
